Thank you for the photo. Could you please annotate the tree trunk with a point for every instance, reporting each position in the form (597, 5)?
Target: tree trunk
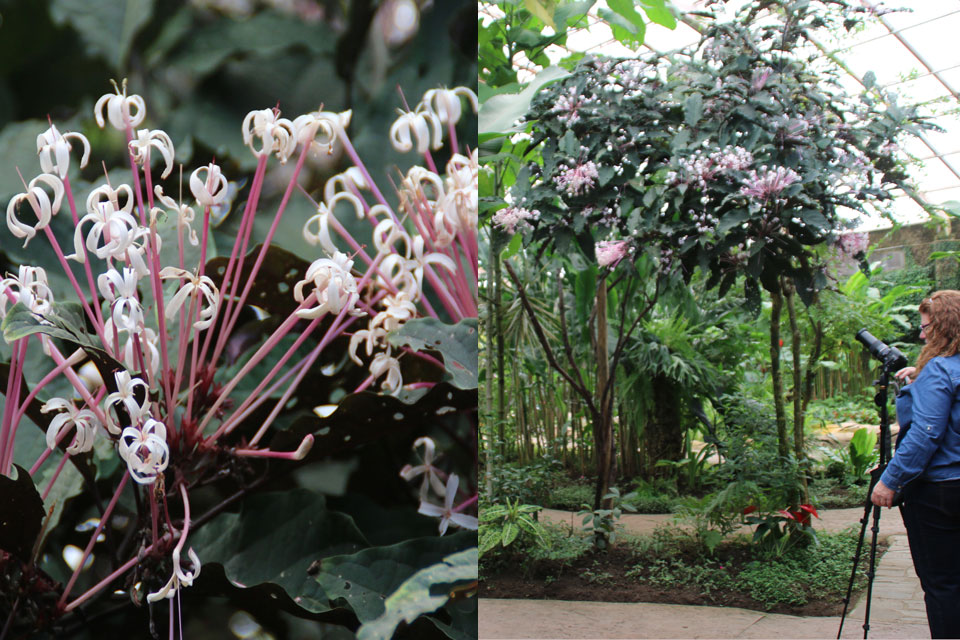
(603, 421)
(663, 431)
(488, 385)
(790, 294)
(783, 447)
(497, 313)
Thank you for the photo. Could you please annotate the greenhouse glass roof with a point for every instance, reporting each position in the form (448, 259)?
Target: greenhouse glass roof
(910, 52)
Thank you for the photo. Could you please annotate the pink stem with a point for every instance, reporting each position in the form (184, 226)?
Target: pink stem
(363, 386)
(335, 329)
(271, 342)
(95, 589)
(93, 539)
(56, 474)
(86, 262)
(8, 431)
(246, 227)
(266, 245)
(299, 454)
(466, 503)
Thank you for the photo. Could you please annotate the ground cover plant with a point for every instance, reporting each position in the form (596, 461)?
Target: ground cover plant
(201, 428)
(669, 566)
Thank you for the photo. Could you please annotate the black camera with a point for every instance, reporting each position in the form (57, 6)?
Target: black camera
(891, 357)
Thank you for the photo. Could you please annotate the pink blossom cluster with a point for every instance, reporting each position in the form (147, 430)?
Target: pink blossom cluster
(610, 252)
(568, 106)
(512, 217)
(577, 180)
(701, 167)
(769, 182)
(853, 242)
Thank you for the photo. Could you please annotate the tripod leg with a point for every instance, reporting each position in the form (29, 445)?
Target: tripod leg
(856, 558)
(870, 572)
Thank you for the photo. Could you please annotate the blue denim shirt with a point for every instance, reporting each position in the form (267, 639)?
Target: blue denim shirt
(931, 447)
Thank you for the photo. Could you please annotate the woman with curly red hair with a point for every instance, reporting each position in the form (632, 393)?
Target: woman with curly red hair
(925, 471)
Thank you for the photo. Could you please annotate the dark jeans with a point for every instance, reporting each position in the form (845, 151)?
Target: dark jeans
(931, 513)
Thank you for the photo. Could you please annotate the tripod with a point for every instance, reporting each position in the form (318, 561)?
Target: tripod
(881, 401)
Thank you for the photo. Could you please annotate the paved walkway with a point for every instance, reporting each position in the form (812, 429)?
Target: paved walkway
(897, 609)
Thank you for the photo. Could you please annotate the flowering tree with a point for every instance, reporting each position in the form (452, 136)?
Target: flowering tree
(734, 159)
(204, 377)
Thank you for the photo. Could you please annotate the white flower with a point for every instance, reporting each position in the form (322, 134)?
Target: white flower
(371, 337)
(324, 211)
(145, 450)
(113, 225)
(125, 394)
(194, 286)
(416, 125)
(351, 181)
(83, 420)
(385, 364)
(399, 309)
(446, 513)
(276, 134)
(336, 287)
(210, 195)
(185, 214)
(459, 205)
(180, 578)
(118, 108)
(148, 339)
(427, 470)
(140, 148)
(445, 103)
(32, 290)
(39, 202)
(325, 123)
(54, 151)
(121, 292)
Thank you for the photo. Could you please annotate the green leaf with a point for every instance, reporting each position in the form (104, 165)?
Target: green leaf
(18, 148)
(511, 250)
(364, 579)
(498, 114)
(570, 12)
(274, 538)
(627, 25)
(265, 33)
(456, 343)
(415, 597)
(658, 12)
(542, 9)
(510, 533)
(20, 322)
(693, 109)
(107, 27)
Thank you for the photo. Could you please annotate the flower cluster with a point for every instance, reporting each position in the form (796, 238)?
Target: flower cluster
(768, 182)
(702, 167)
(568, 106)
(577, 180)
(159, 322)
(610, 252)
(512, 217)
(703, 221)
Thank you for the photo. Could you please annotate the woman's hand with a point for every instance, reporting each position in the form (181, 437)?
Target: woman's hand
(906, 374)
(882, 495)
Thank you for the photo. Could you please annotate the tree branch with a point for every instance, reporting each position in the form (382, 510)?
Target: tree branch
(538, 330)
